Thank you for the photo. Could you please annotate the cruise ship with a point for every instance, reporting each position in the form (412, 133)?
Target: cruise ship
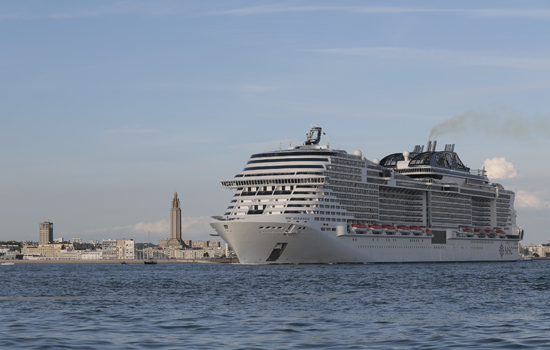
(311, 204)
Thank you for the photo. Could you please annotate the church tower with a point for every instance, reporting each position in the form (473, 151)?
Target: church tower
(175, 223)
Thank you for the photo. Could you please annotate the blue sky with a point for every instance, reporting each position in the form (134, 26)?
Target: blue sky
(108, 107)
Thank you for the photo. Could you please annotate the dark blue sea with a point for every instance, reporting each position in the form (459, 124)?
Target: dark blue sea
(220, 306)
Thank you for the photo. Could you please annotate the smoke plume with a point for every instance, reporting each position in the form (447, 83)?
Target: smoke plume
(501, 123)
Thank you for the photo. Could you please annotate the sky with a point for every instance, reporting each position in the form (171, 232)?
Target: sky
(108, 107)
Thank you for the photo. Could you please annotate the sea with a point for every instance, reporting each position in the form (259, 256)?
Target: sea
(232, 306)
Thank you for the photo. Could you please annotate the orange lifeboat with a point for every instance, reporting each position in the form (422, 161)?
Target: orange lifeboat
(479, 232)
(416, 230)
(501, 233)
(389, 229)
(375, 228)
(403, 229)
(468, 232)
(359, 228)
(429, 232)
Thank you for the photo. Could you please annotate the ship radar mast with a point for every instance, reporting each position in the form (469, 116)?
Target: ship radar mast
(312, 137)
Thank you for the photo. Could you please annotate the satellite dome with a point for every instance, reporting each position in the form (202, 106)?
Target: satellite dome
(376, 161)
(357, 153)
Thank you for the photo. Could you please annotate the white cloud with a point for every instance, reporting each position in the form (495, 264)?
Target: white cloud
(239, 88)
(271, 9)
(526, 199)
(146, 8)
(131, 131)
(488, 59)
(500, 168)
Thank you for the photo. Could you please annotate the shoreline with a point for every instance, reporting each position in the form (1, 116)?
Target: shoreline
(119, 261)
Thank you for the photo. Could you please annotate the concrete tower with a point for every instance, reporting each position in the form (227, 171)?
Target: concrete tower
(175, 223)
(46, 233)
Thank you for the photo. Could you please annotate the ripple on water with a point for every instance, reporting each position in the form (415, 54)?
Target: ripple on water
(412, 306)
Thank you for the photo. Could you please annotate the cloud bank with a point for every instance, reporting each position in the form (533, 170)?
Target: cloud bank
(530, 200)
(486, 13)
(191, 228)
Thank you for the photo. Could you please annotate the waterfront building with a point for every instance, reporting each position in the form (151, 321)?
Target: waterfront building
(229, 252)
(77, 240)
(195, 254)
(125, 248)
(542, 250)
(199, 244)
(94, 241)
(59, 240)
(68, 255)
(109, 249)
(188, 243)
(213, 244)
(46, 232)
(92, 255)
(48, 251)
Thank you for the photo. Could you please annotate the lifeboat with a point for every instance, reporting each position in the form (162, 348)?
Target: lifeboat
(490, 233)
(389, 229)
(375, 228)
(479, 232)
(416, 230)
(403, 229)
(359, 228)
(501, 234)
(468, 232)
(429, 232)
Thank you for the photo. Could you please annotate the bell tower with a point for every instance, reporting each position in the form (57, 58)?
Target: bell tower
(175, 223)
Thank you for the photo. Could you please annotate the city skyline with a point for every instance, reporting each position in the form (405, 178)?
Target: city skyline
(107, 107)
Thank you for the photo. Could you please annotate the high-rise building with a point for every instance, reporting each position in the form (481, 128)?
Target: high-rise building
(46, 232)
(125, 248)
(175, 223)
(109, 249)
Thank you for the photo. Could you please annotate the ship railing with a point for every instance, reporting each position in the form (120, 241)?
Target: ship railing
(225, 218)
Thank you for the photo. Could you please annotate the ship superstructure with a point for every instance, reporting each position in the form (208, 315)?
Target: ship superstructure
(314, 204)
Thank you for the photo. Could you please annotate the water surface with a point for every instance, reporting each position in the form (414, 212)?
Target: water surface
(218, 306)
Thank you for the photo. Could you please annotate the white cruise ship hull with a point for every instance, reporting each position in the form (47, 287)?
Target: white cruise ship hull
(254, 244)
(310, 204)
